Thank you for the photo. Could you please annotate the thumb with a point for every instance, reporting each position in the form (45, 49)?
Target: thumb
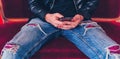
(74, 19)
(59, 15)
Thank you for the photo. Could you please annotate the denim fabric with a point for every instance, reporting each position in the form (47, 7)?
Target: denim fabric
(91, 39)
(88, 37)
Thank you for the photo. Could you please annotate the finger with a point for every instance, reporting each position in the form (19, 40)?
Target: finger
(58, 24)
(73, 24)
(67, 27)
(55, 25)
(59, 15)
(77, 18)
(70, 24)
(73, 20)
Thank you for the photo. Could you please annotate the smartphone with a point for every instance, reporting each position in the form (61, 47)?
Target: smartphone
(65, 19)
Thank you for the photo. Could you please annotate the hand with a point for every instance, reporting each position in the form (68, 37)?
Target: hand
(73, 23)
(53, 19)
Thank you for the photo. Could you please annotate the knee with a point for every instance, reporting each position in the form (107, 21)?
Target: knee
(113, 51)
(10, 47)
(30, 25)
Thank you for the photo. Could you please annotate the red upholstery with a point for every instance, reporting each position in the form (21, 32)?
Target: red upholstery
(1, 20)
(58, 48)
(108, 9)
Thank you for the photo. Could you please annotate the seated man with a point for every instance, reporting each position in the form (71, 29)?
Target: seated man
(69, 18)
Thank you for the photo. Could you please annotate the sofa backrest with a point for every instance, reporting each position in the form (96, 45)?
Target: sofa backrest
(19, 9)
(16, 8)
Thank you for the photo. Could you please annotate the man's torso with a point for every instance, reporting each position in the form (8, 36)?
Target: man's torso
(65, 7)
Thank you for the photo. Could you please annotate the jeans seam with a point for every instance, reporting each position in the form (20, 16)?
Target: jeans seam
(38, 43)
(79, 36)
(40, 28)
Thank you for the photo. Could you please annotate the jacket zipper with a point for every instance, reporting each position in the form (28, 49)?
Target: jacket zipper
(52, 5)
(75, 6)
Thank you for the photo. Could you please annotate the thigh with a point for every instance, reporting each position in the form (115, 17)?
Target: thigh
(90, 38)
(31, 37)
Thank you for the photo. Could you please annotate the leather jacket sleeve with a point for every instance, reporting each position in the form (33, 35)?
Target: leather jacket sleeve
(88, 8)
(38, 8)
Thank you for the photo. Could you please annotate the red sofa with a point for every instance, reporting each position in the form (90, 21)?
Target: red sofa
(55, 48)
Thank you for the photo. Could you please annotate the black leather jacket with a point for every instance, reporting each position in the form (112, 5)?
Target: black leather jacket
(83, 7)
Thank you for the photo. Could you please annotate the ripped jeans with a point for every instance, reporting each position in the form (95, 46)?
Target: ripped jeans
(88, 37)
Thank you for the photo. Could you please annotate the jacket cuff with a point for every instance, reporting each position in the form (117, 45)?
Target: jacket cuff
(42, 14)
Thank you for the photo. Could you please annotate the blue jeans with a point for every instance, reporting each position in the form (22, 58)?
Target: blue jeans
(88, 37)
